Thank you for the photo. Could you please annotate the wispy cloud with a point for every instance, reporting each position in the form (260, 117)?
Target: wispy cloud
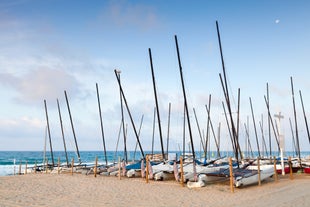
(7, 4)
(125, 14)
(9, 127)
(36, 84)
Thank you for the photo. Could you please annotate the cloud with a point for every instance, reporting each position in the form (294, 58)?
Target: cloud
(21, 133)
(7, 4)
(17, 33)
(9, 127)
(125, 14)
(280, 92)
(40, 83)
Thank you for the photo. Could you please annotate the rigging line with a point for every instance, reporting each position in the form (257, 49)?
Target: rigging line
(118, 137)
(141, 122)
(44, 150)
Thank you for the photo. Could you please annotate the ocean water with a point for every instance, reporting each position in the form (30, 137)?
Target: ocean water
(10, 161)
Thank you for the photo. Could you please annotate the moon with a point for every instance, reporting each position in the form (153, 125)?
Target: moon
(277, 21)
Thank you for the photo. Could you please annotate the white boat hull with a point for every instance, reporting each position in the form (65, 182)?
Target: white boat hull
(249, 179)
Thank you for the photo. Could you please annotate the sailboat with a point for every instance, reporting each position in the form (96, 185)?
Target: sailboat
(251, 175)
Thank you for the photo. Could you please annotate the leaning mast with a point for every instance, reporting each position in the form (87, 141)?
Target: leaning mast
(185, 100)
(157, 107)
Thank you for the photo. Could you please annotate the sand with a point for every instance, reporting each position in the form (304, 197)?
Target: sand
(81, 190)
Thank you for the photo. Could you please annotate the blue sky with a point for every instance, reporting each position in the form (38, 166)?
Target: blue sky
(50, 46)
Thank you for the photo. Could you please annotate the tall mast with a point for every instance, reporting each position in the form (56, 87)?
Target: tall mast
(293, 137)
(168, 130)
(227, 123)
(157, 107)
(141, 122)
(295, 117)
(255, 129)
(199, 131)
(131, 119)
(212, 129)
(273, 127)
(44, 150)
(264, 146)
(76, 145)
(226, 93)
(49, 133)
(303, 109)
(269, 128)
(207, 133)
(184, 123)
(63, 134)
(219, 134)
(101, 126)
(282, 143)
(122, 113)
(185, 99)
(118, 137)
(246, 127)
(153, 134)
(237, 133)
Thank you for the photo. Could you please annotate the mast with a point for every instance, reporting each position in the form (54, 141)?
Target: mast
(263, 138)
(122, 113)
(208, 128)
(44, 150)
(226, 93)
(101, 126)
(157, 107)
(141, 122)
(168, 130)
(184, 122)
(303, 109)
(49, 133)
(237, 133)
(185, 100)
(118, 137)
(248, 138)
(76, 145)
(269, 128)
(293, 137)
(273, 128)
(219, 134)
(212, 129)
(231, 138)
(295, 118)
(154, 117)
(255, 129)
(199, 131)
(63, 134)
(282, 143)
(131, 119)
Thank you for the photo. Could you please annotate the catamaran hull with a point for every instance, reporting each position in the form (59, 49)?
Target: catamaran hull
(133, 173)
(164, 176)
(253, 178)
(307, 170)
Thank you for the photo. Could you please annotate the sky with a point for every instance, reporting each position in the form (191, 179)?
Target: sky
(48, 47)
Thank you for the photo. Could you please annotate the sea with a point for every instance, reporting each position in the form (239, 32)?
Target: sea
(12, 161)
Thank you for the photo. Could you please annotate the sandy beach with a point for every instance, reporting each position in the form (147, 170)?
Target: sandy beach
(82, 190)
